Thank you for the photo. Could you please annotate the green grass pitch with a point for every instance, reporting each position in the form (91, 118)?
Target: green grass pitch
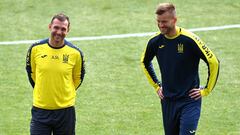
(115, 97)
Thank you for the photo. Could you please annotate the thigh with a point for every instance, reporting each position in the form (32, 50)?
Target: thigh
(37, 128)
(170, 114)
(189, 118)
(65, 122)
(39, 123)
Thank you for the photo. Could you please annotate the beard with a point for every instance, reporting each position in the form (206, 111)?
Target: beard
(166, 30)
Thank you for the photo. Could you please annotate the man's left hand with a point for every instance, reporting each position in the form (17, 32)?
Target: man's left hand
(195, 93)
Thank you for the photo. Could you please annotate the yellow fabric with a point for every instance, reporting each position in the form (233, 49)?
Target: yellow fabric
(56, 74)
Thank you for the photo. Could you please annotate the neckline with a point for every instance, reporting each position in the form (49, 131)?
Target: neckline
(178, 30)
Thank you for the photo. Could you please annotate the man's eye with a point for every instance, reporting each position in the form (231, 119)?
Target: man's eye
(56, 27)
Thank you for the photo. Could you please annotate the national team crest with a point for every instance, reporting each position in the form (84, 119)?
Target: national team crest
(65, 58)
(180, 48)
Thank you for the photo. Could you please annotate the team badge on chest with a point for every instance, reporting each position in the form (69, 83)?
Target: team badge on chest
(180, 48)
(65, 58)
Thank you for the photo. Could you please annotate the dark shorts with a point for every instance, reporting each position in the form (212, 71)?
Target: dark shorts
(181, 117)
(56, 122)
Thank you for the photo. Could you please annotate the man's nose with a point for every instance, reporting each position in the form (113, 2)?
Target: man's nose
(161, 24)
(58, 31)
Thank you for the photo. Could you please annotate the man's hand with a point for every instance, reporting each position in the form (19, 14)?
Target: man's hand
(195, 93)
(159, 92)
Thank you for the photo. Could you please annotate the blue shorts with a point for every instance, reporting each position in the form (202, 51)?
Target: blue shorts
(180, 117)
(58, 122)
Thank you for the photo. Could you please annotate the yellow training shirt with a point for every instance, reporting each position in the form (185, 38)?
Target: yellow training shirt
(55, 74)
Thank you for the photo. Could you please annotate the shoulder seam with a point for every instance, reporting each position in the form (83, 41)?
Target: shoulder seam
(189, 34)
(155, 35)
(40, 42)
(74, 47)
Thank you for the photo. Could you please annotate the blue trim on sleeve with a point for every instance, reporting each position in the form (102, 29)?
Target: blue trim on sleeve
(82, 58)
(28, 60)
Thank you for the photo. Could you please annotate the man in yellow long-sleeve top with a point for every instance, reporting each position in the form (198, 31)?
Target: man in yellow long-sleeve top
(55, 70)
(178, 53)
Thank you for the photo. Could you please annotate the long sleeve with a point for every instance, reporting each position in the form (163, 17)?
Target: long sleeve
(31, 67)
(79, 70)
(147, 66)
(213, 66)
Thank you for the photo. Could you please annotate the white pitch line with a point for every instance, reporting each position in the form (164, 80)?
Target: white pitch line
(122, 35)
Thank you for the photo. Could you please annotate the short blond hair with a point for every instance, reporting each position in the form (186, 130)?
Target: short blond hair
(165, 7)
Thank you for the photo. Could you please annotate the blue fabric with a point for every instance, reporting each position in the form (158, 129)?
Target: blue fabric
(58, 122)
(180, 117)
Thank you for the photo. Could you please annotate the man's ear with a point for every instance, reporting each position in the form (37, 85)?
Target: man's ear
(49, 26)
(68, 29)
(175, 20)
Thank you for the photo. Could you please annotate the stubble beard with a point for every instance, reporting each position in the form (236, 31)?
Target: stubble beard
(166, 30)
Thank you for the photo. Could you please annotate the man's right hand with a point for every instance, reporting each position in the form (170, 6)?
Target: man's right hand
(159, 92)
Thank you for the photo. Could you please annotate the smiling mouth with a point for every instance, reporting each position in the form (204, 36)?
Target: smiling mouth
(58, 36)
